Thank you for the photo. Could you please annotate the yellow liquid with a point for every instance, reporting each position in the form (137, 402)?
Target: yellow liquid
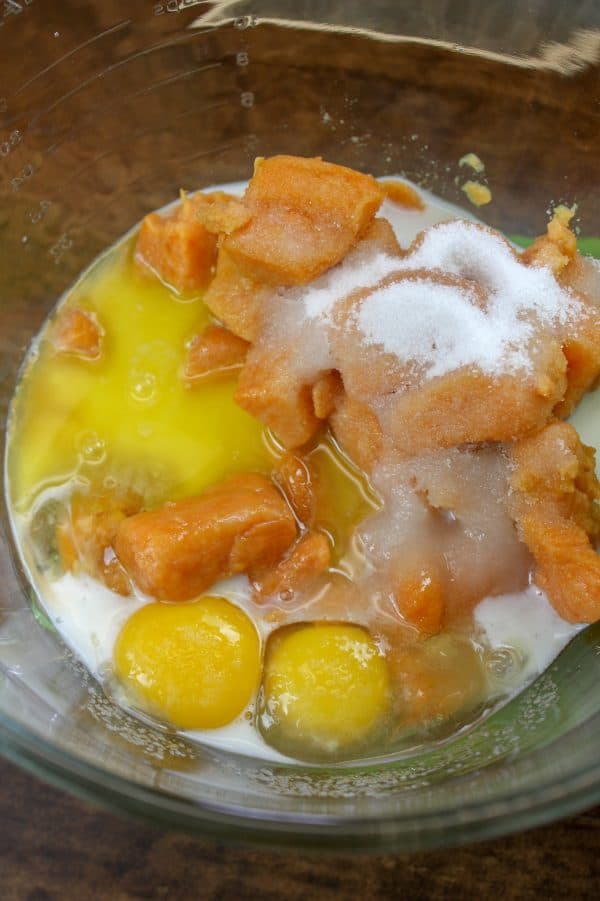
(128, 420)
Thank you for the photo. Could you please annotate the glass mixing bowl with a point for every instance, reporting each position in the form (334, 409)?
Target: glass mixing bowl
(106, 109)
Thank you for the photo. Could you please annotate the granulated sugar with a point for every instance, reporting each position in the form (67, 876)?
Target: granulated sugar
(441, 327)
(358, 270)
(473, 252)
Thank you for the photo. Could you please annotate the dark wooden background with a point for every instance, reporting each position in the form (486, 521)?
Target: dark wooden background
(53, 846)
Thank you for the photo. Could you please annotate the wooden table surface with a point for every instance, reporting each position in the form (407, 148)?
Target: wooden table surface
(53, 846)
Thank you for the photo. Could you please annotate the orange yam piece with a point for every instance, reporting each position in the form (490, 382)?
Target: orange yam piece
(269, 391)
(582, 353)
(77, 332)
(293, 475)
(218, 212)
(216, 350)
(581, 344)
(567, 566)
(557, 250)
(235, 298)
(555, 503)
(326, 392)
(419, 597)
(358, 432)
(403, 194)
(85, 541)
(178, 249)
(307, 560)
(306, 215)
(553, 467)
(468, 406)
(179, 550)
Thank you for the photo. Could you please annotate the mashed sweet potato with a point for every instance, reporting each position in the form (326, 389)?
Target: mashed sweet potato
(478, 478)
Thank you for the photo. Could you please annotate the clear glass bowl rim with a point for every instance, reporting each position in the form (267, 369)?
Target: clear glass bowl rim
(476, 821)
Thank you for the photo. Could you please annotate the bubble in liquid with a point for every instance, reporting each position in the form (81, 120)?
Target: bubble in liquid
(143, 387)
(145, 430)
(502, 662)
(91, 447)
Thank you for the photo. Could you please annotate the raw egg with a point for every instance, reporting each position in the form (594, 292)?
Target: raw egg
(196, 665)
(325, 688)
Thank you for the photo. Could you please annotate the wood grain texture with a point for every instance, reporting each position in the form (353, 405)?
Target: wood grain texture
(53, 846)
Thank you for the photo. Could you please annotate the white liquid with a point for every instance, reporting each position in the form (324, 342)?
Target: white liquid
(89, 616)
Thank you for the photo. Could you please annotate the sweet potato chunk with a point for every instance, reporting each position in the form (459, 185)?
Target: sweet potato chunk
(403, 194)
(581, 338)
(307, 560)
(358, 432)
(555, 504)
(419, 596)
(553, 467)
(268, 390)
(326, 392)
(557, 247)
(306, 215)
(216, 350)
(86, 539)
(77, 332)
(177, 551)
(293, 475)
(177, 248)
(293, 401)
(218, 212)
(557, 250)
(568, 567)
(469, 406)
(236, 298)
(582, 353)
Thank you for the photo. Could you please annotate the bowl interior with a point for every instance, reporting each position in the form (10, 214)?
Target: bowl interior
(103, 118)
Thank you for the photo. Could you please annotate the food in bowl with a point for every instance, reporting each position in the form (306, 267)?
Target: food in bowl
(291, 470)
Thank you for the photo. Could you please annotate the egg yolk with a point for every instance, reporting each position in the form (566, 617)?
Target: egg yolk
(325, 688)
(197, 664)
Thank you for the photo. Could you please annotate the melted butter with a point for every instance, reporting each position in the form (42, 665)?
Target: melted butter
(343, 495)
(129, 415)
(129, 420)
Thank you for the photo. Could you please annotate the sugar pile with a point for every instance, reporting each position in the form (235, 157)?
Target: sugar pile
(439, 327)
(432, 315)
(358, 270)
